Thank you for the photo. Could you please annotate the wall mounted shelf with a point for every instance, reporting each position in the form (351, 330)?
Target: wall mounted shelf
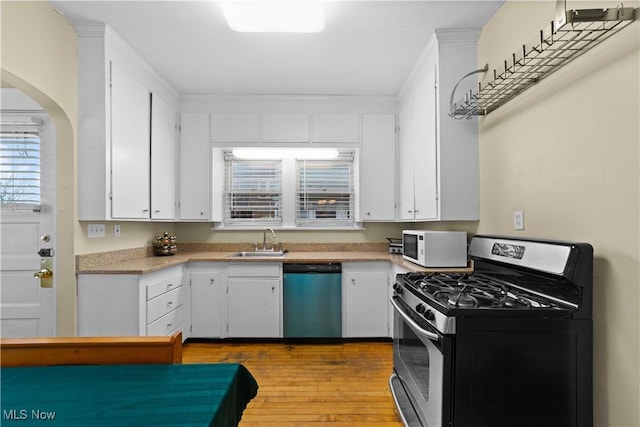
(570, 35)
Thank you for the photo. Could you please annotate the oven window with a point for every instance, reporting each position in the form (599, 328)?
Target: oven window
(415, 356)
(420, 364)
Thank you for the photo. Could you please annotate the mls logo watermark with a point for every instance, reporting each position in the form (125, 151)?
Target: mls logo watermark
(26, 414)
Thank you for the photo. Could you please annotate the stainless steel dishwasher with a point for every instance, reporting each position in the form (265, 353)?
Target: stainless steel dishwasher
(312, 300)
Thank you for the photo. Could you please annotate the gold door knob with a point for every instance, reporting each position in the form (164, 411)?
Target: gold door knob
(45, 273)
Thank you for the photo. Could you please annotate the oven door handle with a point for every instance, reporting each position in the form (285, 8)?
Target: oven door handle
(416, 328)
(392, 378)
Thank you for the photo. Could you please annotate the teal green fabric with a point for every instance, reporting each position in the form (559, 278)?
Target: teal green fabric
(126, 395)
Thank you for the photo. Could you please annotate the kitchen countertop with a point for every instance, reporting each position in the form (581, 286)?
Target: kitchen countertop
(149, 264)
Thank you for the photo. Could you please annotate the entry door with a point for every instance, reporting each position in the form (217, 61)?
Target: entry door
(26, 308)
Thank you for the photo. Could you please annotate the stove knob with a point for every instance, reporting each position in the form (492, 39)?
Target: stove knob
(399, 289)
(428, 314)
(420, 308)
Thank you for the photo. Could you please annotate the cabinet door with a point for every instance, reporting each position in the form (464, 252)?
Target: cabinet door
(253, 308)
(405, 164)
(285, 128)
(367, 304)
(378, 161)
(194, 167)
(108, 305)
(336, 128)
(425, 150)
(235, 127)
(130, 140)
(206, 307)
(163, 159)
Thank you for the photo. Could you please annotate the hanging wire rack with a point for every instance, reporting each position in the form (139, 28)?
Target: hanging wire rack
(570, 35)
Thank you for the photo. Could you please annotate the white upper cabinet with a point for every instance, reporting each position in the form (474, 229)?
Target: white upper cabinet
(335, 128)
(163, 159)
(130, 160)
(195, 175)
(235, 127)
(285, 128)
(377, 183)
(437, 166)
(122, 137)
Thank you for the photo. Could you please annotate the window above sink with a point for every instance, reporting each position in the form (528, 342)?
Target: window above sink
(287, 191)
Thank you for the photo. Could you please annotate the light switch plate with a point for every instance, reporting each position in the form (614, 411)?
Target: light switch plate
(96, 230)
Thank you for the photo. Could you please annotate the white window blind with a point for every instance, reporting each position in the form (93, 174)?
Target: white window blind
(253, 191)
(325, 191)
(20, 166)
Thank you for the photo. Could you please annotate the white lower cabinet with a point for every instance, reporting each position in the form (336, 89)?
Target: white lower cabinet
(163, 311)
(254, 300)
(133, 304)
(208, 284)
(108, 305)
(365, 299)
(220, 300)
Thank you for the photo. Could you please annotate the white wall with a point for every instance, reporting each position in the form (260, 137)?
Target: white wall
(566, 152)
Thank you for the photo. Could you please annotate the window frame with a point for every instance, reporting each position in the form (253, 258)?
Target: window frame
(30, 128)
(318, 202)
(288, 195)
(232, 191)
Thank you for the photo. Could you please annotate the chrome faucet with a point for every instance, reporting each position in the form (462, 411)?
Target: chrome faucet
(264, 238)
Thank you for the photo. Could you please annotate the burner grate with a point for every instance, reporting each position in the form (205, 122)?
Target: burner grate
(470, 291)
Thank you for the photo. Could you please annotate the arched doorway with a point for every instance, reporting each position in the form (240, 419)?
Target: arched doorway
(63, 294)
(27, 221)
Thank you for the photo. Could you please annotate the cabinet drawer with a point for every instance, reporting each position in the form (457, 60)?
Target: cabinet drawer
(163, 304)
(163, 286)
(168, 323)
(253, 270)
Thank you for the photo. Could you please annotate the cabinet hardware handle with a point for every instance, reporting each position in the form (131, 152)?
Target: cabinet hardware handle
(211, 281)
(353, 280)
(145, 210)
(169, 285)
(156, 211)
(169, 324)
(170, 302)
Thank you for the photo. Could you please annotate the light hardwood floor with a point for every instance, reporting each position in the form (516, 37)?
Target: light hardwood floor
(332, 384)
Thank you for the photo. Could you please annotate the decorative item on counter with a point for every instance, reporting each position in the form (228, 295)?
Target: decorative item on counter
(164, 245)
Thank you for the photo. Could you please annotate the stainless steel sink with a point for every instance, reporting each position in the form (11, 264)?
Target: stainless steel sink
(259, 254)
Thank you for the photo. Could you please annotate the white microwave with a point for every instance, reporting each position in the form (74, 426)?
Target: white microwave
(435, 248)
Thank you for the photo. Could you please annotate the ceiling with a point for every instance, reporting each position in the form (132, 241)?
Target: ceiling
(367, 47)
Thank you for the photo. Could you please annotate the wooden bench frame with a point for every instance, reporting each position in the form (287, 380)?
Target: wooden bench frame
(90, 350)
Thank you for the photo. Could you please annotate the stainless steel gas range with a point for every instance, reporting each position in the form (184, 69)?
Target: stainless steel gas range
(507, 346)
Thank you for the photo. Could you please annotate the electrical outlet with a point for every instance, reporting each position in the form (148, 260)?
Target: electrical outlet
(518, 220)
(96, 230)
(116, 230)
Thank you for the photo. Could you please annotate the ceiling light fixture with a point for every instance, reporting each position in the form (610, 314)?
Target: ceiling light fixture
(293, 16)
(285, 153)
